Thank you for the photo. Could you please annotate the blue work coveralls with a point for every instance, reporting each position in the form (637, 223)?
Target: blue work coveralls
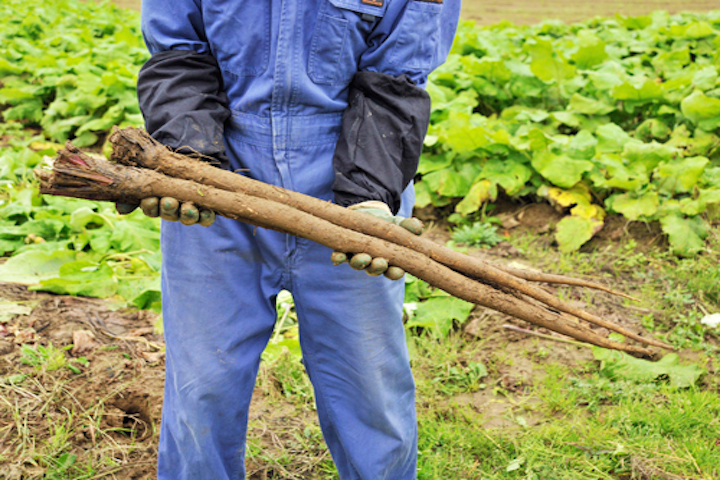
(286, 66)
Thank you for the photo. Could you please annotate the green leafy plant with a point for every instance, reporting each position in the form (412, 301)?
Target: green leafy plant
(432, 309)
(43, 358)
(453, 379)
(285, 338)
(477, 235)
(70, 67)
(50, 358)
(620, 366)
(610, 115)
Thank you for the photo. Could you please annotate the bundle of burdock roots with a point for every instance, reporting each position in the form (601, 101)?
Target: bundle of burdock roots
(140, 168)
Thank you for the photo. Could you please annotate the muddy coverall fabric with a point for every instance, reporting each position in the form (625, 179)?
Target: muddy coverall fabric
(286, 66)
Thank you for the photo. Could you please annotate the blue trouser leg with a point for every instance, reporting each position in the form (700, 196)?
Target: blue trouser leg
(219, 311)
(354, 349)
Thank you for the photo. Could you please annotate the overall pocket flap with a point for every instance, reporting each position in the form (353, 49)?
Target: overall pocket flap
(372, 7)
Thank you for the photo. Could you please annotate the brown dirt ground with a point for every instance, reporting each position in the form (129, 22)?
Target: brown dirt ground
(121, 388)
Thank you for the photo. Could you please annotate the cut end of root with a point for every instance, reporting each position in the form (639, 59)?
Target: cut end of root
(78, 175)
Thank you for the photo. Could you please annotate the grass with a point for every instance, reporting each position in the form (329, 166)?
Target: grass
(495, 406)
(584, 427)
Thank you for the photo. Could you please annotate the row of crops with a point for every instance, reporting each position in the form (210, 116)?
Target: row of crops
(615, 115)
(68, 71)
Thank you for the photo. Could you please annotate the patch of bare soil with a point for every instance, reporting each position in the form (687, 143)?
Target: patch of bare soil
(116, 399)
(106, 415)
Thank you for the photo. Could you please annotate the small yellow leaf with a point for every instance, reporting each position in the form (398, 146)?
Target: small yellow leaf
(39, 146)
(589, 211)
(565, 198)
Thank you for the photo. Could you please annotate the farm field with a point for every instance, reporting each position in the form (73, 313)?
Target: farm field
(590, 150)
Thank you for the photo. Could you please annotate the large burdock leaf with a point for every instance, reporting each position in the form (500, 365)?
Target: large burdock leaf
(642, 91)
(561, 170)
(573, 231)
(448, 182)
(493, 69)
(82, 278)
(648, 154)
(438, 314)
(621, 366)
(547, 63)
(634, 207)
(509, 174)
(479, 193)
(696, 206)
(671, 61)
(611, 138)
(702, 110)
(566, 198)
(686, 235)
(589, 106)
(680, 176)
(81, 217)
(591, 50)
(582, 145)
(128, 237)
(31, 267)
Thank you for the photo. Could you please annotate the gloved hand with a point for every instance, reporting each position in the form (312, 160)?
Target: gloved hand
(378, 265)
(169, 208)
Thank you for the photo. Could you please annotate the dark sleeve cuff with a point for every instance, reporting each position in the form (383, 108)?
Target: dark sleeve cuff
(381, 139)
(181, 97)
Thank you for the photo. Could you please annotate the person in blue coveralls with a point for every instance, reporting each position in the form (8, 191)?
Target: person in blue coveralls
(324, 97)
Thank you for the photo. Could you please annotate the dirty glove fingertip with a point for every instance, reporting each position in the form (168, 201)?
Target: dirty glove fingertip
(189, 213)
(338, 257)
(360, 261)
(394, 273)
(413, 225)
(150, 206)
(207, 217)
(169, 209)
(378, 266)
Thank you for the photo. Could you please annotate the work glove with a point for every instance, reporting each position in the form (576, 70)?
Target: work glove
(378, 265)
(170, 209)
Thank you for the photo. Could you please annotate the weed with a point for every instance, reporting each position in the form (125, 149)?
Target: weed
(43, 358)
(481, 235)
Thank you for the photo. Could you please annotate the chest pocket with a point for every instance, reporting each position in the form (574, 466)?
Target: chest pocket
(239, 35)
(339, 39)
(418, 41)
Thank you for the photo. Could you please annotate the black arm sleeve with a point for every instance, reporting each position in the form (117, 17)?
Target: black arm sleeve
(181, 97)
(380, 140)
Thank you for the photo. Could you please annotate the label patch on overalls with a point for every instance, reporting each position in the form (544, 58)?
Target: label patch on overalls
(374, 3)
